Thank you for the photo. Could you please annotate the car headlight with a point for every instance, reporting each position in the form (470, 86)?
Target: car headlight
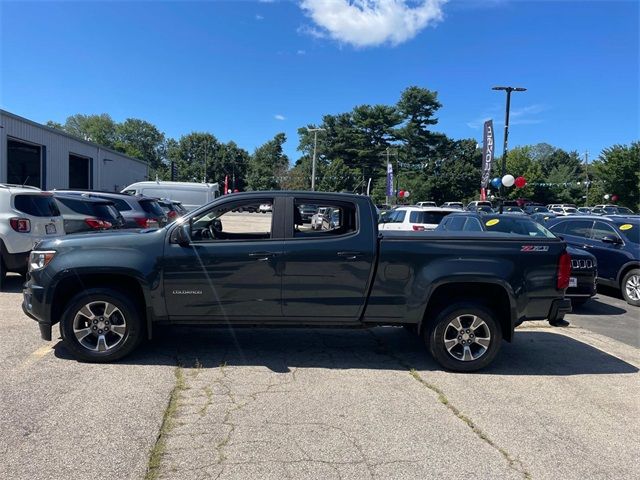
(40, 259)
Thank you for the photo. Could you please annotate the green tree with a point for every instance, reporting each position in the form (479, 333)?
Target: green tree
(190, 153)
(100, 129)
(618, 170)
(141, 139)
(268, 165)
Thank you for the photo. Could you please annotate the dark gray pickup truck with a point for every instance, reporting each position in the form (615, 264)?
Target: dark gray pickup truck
(221, 265)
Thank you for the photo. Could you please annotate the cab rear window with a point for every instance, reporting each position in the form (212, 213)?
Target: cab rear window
(36, 205)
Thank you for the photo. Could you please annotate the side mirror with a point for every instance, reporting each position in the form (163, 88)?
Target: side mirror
(182, 235)
(611, 239)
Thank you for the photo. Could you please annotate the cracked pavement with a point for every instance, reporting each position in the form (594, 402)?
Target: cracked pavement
(326, 403)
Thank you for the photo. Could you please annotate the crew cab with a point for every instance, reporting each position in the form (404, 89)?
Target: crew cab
(464, 293)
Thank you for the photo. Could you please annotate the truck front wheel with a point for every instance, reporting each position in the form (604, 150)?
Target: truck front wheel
(101, 325)
(464, 337)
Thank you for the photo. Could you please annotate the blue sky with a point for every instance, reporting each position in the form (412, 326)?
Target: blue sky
(245, 70)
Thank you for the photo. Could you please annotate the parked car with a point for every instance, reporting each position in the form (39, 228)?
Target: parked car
(481, 209)
(564, 211)
(584, 210)
(614, 241)
(173, 209)
(612, 210)
(307, 211)
(513, 210)
(85, 214)
(316, 220)
(415, 218)
(456, 205)
(543, 218)
(137, 211)
(265, 208)
(463, 294)
(426, 204)
(535, 208)
(582, 282)
(192, 195)
(27, 215)
(478, 203)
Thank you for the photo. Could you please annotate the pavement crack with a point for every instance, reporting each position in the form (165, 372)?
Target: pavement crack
(512, 462)
(168, 423)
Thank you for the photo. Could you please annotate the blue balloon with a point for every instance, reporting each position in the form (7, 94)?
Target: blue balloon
(496, 182)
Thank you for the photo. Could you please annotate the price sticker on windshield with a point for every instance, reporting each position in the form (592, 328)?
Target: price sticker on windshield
(626, 226)
(492, 222)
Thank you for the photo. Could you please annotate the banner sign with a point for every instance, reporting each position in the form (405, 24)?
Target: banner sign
(389, 180)
(487, 153)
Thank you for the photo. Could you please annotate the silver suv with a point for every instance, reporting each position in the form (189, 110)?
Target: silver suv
(27, 215)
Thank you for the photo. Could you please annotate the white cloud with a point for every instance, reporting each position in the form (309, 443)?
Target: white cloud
(279, 117)
(301, 52)
(259, 17)
(528, 115)
(364, 23)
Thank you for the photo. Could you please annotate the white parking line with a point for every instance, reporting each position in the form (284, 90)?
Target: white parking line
(36, 356)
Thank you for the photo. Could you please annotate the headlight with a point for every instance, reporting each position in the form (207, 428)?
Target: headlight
(40, 259)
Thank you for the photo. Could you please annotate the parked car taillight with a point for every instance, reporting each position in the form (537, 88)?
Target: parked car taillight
(97, 224)
(564, 271)
(418, 228)
(22, 225)
(171, 214)
(142, 222)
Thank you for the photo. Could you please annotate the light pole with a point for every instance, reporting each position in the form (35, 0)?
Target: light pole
(506, 132)
(315, 147)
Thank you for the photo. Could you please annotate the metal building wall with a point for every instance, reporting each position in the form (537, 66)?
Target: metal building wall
(111, 170)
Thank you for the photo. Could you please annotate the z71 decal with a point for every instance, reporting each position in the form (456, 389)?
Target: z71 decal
(534, 248)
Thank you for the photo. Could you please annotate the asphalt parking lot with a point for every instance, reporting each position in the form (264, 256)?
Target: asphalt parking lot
(327, 403)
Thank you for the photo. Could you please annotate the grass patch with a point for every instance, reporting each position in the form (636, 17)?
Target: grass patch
(168, 422)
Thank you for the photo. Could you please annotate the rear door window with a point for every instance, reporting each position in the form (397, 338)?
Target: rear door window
(578, 228)
(36, 205)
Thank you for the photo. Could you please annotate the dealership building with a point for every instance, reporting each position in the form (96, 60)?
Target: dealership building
(47, 158)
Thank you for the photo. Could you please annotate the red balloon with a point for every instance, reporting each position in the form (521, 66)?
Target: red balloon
(521, 182)
(401, 193)
(614, 198)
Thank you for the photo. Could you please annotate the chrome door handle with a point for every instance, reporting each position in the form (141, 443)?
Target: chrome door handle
(262, 256)
(350, 255)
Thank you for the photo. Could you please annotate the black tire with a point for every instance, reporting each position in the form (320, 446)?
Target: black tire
(630, 279)
(434, 336)
(127, 311)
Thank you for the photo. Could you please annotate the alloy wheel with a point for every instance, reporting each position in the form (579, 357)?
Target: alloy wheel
(632, 287)
(467, 337)
(99, 326)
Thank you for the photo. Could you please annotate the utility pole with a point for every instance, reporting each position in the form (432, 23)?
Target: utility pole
(315, 147)
(586, 174)
(204, 170)
(506, 133)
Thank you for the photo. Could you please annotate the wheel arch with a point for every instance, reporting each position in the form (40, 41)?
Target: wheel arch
(68, 286)
(494, 295)
(624, 270)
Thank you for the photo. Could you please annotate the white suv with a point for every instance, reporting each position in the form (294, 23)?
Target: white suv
(27, 215)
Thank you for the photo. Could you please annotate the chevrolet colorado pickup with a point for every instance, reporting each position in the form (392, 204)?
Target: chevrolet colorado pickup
(221, 265)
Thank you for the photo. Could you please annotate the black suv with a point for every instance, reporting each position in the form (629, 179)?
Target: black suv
(584, 267)
(614, 241)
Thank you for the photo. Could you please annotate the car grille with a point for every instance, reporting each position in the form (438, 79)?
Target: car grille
(577, 264)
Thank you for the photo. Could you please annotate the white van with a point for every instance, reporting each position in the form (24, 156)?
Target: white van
(191, 195)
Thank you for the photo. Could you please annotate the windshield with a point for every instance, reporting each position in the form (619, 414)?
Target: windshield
(516, 226)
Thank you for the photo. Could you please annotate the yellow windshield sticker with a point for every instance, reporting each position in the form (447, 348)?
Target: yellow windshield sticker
(626, 226)
(492, 222)
(546, 218)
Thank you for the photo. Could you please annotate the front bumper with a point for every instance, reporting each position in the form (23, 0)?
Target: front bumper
(559, 308)
(35, 307)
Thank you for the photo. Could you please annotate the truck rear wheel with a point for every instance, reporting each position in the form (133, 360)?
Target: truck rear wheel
(464, 337)
(101, 325)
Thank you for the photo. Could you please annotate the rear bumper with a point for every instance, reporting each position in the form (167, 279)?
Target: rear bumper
(587, 285)
(559, 308)
(14, 262)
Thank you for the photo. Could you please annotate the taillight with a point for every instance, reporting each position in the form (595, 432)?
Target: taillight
(418, 228)
(97, 224)
(564, 271)
(22, 225)
(172, 214)
(142, 222)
